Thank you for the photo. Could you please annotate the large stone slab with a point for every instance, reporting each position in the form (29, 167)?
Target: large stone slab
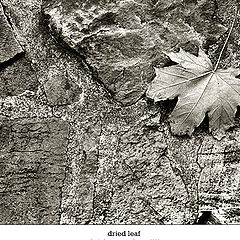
(32, 170)
(17, 78)
(9, 47)
(123, 41)
(123, 164)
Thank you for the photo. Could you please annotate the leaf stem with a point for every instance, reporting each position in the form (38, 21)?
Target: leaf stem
(230, 31)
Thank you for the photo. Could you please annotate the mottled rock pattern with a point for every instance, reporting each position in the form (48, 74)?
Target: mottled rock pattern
(32, 170)
(9, 47)
(72, 154)
(17, 78)
(60, 89)
(123, 40)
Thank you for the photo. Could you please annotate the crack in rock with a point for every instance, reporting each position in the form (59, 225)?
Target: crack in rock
(32, 170)
(122, 41)
(9, 46)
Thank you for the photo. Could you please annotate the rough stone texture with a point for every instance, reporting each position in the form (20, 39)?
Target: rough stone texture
(9, 47)
(80, 142)
(33, 162)
(60, 89)
(17, 78)
(123, 40)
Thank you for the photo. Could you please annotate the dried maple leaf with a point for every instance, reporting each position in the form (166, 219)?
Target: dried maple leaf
(200, 89)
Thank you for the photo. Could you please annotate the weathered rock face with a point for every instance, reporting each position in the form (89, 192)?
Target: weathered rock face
(9, 47)
(61, 90)
(32, 170)
(71, 154)
(17, 78)
(123, 40)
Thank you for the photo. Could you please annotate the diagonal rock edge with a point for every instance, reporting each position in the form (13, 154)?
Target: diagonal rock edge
(148, 30)
(87, 67)
(18, 51)
(11, 60)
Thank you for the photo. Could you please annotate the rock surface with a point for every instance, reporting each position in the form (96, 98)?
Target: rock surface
(123, 40)
(9, 47)
(81, 144)
(33, 163)
(17, 78)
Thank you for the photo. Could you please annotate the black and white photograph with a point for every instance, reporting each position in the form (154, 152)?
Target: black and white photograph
(119, 113)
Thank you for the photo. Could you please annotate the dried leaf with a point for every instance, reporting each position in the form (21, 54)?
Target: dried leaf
(200, 89)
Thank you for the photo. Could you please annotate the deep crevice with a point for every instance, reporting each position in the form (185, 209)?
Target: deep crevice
(214, 15)
(12, 60)
(166, 107)
(207, 218)
(19, 55)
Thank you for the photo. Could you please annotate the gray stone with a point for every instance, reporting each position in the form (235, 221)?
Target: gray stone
(123, 40)
(61, 90)
(123, 165)
(17, 78)
(9, 47)
(32, 170)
